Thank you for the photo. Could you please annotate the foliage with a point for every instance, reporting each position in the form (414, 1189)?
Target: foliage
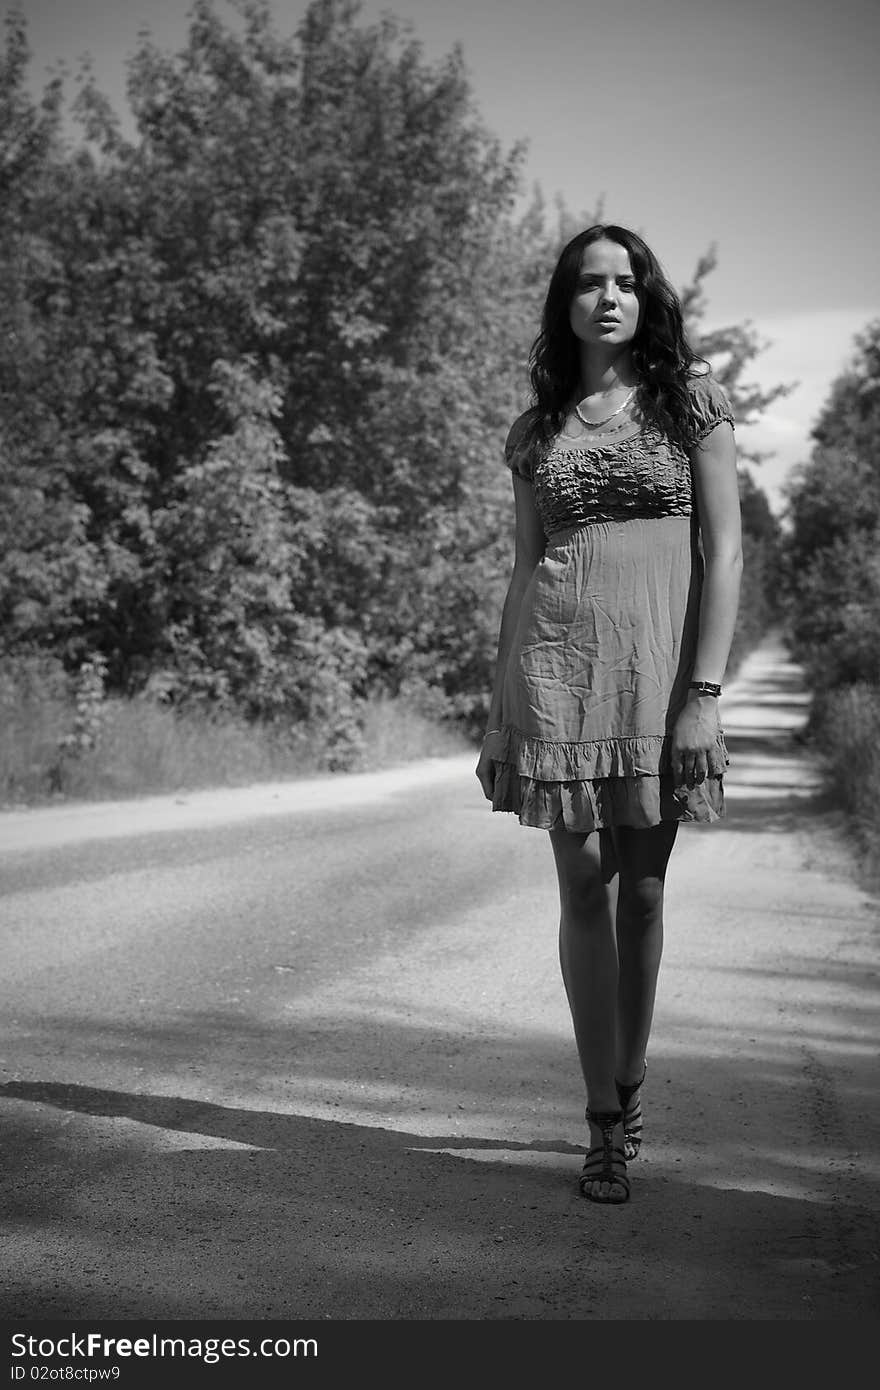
(730, 350)
(832, 551)
(846, 728)
(832, 588)
(258, 364)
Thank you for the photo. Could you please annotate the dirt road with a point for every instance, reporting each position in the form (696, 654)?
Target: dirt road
(303, 1052)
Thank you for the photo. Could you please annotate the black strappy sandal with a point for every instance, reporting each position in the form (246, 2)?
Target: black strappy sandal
(604, 1162)
(632, 1116)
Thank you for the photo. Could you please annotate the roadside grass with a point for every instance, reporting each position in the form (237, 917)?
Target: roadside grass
(845, 734)
(51, 752)
(395, 731)
(62, 741)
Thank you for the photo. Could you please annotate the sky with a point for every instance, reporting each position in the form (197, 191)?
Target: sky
(750, 125)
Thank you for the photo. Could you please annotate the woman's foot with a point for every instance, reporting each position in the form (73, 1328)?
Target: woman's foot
(630, 1097)
(603, 1178)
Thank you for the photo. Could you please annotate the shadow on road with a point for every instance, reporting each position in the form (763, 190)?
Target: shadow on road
(313, 1218)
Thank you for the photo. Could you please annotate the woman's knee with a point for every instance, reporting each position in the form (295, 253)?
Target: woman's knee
(643, 857)
(580, 871)
(583, 896)
(641, 898)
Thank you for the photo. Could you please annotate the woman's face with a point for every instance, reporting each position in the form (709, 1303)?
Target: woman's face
(605, 307)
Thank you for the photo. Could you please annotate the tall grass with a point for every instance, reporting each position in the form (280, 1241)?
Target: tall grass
(845, 731)
(61, 739)
(58, 744)
(394, 731)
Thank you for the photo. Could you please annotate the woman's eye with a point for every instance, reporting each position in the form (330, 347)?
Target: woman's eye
(628, 285)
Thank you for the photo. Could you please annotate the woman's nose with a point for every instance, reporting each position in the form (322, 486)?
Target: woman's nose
(609, 292)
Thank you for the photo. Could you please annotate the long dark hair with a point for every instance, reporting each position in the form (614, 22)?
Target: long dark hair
(661, 354)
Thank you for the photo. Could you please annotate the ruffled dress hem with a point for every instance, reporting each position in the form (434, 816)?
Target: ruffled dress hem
(593, 786)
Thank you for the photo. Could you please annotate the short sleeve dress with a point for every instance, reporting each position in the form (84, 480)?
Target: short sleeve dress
(606, 639)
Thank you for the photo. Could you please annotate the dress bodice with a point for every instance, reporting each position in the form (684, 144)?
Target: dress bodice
(643, 476)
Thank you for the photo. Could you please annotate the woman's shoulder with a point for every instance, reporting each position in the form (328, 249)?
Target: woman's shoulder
(521, 430)
(518, 446)
(710, 404)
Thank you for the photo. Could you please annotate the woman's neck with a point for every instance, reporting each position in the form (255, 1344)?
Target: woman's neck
(602, 372)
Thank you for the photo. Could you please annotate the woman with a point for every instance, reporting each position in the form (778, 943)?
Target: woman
(603, 725)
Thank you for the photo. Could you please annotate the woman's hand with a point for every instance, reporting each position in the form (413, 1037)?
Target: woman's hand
(485, 766)
(694, 742)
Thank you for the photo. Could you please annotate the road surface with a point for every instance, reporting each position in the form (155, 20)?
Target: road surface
(303, 1052)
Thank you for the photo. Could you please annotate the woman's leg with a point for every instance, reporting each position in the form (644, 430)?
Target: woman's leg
(610, 944)
(642, 857)
(588, 955)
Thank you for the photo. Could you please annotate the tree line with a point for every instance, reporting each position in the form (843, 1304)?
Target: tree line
(257, 364)
(831, 568)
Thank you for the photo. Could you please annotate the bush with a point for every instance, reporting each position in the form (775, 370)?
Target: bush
(845, 731)
(757, 609)
(36, 717)
(61, 739)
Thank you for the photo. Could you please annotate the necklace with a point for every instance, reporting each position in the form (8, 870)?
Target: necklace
(602, 439)
(597, 424)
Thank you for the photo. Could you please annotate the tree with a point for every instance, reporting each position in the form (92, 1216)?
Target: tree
(832, 550)
(832, 570)
(266, 354)
(50, 580)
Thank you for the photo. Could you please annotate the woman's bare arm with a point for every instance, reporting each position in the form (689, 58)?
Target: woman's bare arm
(529, 549)
(530, 542)
(713, 467)
(716, 486)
